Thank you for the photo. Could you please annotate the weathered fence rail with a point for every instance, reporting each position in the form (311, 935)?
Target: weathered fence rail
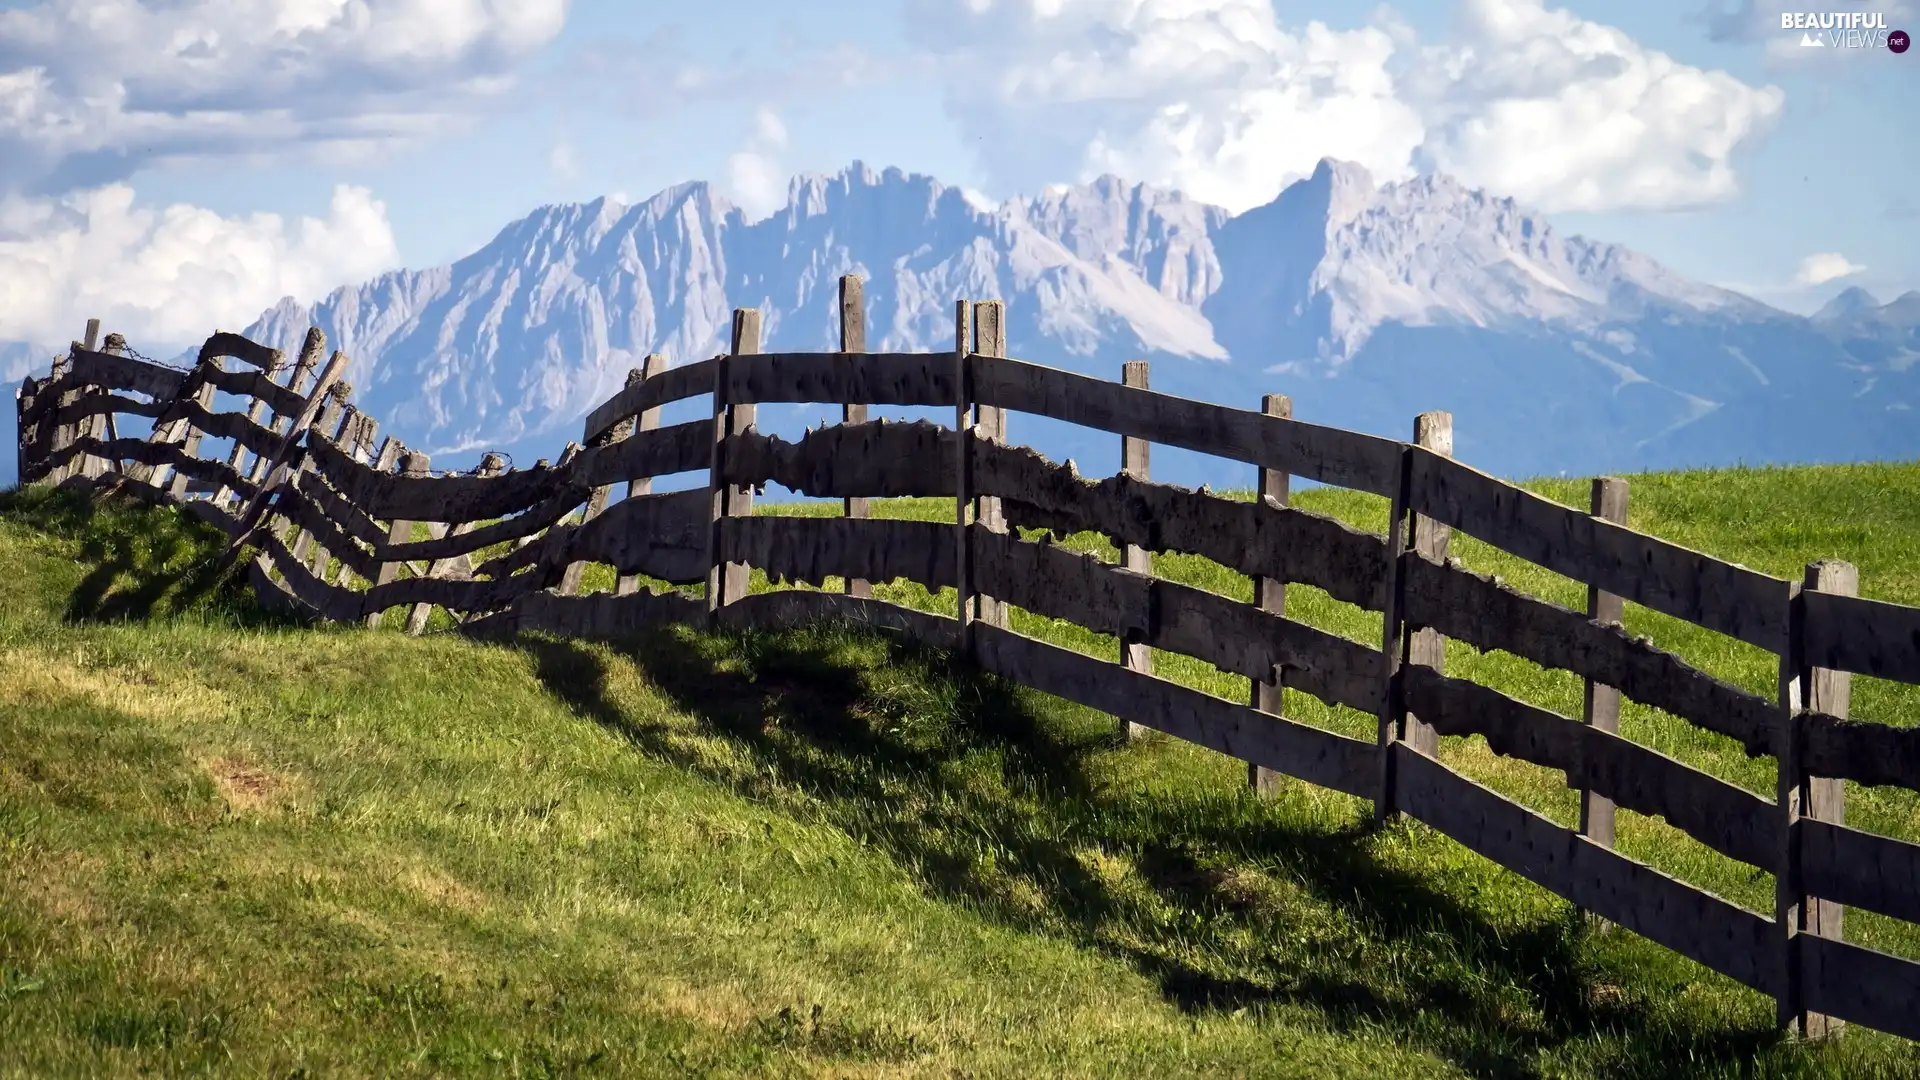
(344, 532)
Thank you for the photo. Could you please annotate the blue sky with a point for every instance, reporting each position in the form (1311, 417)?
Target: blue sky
(142, 146)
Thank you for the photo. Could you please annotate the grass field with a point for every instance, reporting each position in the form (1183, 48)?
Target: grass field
(235, 846)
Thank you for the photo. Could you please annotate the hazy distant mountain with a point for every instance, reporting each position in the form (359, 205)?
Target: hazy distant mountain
(1366, 303)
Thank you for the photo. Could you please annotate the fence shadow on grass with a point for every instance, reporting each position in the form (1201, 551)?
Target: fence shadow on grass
(141, 561)
(808, 716)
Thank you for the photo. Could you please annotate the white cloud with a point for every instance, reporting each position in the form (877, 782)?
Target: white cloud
(1823, 267)
(755, 178)
(90, 90)
(169, 277)
(1220, 98)
(1569, 114)
(1213, 96)
(562, 161)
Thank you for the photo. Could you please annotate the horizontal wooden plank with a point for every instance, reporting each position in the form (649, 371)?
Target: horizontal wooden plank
(1260, 539)
(224, 343)
(814, 549)
(782, 608)
(530, 522)
(1233, 636)
(1666, 577)
(1485, 613)
(236, 426)
(461, 499)
(674, 384)
(879, 459)
(1329, 455)
(1869, 637)
(676, 448)
(469, 595)
(1860, 869)
(345, 516)
(329, 602)
(273, 595)
(125, 373)
(293, 503)
(449, 499)
(1860, 985)
(1696, 924)
(1859, 750)
(843, 378)
(1316, 756)
(254, 384)
(215, 473)
(596, 615)
(96, 404)
(1729, 819)
(662, 536)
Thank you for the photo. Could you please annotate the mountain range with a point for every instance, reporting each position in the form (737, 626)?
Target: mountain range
(1365, 302)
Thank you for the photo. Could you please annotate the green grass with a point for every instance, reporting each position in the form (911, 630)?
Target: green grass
(233, 845)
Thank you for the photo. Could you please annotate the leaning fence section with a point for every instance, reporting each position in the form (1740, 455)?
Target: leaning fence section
(343, 530)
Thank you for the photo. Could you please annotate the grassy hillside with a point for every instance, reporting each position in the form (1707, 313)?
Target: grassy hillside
(230, 845)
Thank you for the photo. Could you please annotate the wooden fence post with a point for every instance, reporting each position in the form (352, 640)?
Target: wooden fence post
(398, 532)
(1135, 461)
(348, 434)
(597, 503)
(1425, 646)
(190, 442)
(1392, 624)
(728, 581)
(490, 465)
(92, 466)
(65, 435)
(256, 412)
(963, 475)
(853, 339)
(1270, 594)
(1601, 705)
(1802, 796)
(310, 352)
(990, 339)
(333, 417)
(653, 367)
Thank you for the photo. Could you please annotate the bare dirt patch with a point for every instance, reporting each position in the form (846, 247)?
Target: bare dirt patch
(246, 786)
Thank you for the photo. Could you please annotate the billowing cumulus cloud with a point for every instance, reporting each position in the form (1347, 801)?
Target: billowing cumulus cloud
(91, 90)
(1223, 99)
(168, 277)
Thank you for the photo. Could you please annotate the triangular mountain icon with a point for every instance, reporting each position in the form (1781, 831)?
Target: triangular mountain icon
(1809, 41)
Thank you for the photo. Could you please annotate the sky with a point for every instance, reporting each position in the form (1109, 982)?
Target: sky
(181, 165)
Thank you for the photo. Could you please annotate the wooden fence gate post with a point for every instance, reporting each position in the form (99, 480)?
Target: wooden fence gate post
(1270, 594)
(1432, 431)
(727, 581)
(654, 366)
(963, 475)
(1822, 798)
(1136, 462)
(1600, 705)
(990, 339)
(853, 339)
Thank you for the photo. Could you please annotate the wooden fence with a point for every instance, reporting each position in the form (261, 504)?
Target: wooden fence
(304, 489)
